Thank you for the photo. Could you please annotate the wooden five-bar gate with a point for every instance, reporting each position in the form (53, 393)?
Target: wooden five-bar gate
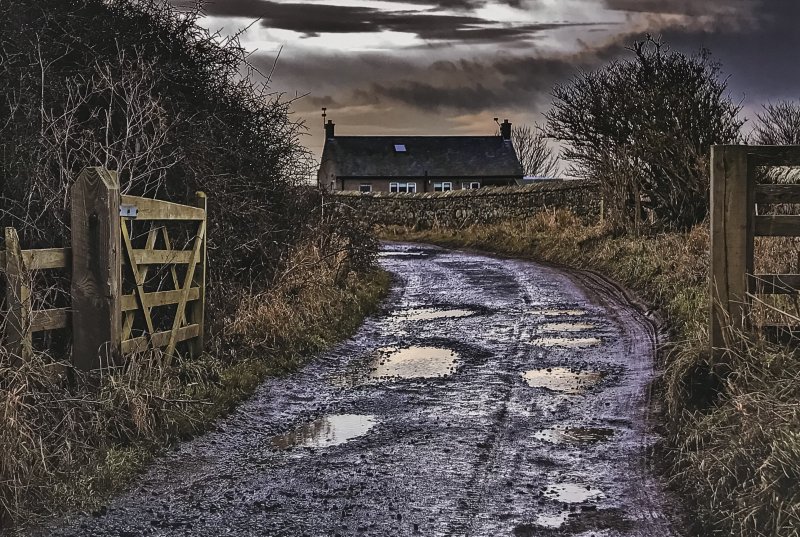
(736, 201)
(113, 296)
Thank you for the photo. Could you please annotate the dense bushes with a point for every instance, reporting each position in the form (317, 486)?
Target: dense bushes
(137, 87)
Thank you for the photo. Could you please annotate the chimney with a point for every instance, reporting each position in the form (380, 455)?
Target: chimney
(505, 130)
(329, 130)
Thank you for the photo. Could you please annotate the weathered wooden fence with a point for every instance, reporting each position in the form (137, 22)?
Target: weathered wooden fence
(735, 222)
(22, 321)
(107, 321)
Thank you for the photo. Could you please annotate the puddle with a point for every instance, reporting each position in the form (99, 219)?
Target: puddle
(414, 362)
(552, 521)
(558, 313)
(570, 343)
(566, 327)
(430, 314)
(560, 379)
(400, 254)
(326, 431)
(574, 435)
(572, 493)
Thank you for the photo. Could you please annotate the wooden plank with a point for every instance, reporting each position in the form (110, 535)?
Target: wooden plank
(18, 297)
(197, 309)
(47, 258)
(777, 226)
(96, 269)
(162, 257)
(159, 339)
(774, 284)
(160, 298)
(151, 209)
(44, 259)
(187, 284)
(130, 315)
(773, 194)
(732, 204)
(176, 284)
(126, 241)
(772, 155)
(51, 319)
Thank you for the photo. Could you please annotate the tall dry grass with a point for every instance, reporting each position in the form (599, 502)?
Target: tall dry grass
(732, 425)
(68, 443)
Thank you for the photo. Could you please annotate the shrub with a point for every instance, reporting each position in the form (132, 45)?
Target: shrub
(643, 127)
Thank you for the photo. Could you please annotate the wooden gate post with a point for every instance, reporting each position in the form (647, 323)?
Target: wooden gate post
(18, 298)
(732, 229)
(197, 309)
(96, 269)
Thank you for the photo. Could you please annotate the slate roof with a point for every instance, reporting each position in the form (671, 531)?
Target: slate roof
(439, 156)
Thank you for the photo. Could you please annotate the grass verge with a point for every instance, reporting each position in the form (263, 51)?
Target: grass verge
(68, 446)
(733, 427)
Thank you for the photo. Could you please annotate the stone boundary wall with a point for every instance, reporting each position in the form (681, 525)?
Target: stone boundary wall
(461, 208)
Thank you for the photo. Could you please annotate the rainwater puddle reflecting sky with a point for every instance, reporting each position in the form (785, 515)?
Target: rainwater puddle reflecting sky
(414, 362)
(431, 314)
(326, 431)
(572, 493)
(574, 435)
(558, 313)
(566, 342)
(561, 379)
(566, 327)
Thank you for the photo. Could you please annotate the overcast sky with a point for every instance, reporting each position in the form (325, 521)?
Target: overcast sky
(450, 66)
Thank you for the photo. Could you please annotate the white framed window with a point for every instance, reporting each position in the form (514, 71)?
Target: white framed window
(403, 187)
(470, 185)
(443, 186)
(365, 188)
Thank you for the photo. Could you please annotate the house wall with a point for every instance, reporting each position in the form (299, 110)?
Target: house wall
(327, 175)
(423, 185)
(461, 208)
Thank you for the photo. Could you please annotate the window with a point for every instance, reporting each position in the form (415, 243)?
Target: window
(403, 187)
(471, 185)
(399, 148)
(442, 187)
(365, 188)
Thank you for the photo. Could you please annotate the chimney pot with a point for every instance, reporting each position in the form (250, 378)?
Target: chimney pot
(329, 132)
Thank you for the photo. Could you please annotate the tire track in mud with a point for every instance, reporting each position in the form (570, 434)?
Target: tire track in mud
(424, 423)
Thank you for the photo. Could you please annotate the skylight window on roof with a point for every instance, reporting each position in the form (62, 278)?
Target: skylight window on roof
(399, 148)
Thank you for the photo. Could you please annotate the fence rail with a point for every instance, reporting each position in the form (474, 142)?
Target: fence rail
(735, 222)
(22, 321)
(106, 322)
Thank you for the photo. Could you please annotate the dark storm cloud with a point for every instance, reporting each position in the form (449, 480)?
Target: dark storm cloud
(315, 19)
(761, 59)
(255, 8)
(683, 7)
(474, 85)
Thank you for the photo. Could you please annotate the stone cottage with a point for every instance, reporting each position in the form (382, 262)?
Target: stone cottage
(418, 163)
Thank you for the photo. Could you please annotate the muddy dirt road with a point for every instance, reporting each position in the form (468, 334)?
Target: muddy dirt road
(490, 397)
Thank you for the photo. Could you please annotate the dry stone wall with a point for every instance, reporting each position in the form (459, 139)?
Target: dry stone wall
(462, 208)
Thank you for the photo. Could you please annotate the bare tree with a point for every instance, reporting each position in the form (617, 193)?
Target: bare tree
(778, 124)
(534, 152)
